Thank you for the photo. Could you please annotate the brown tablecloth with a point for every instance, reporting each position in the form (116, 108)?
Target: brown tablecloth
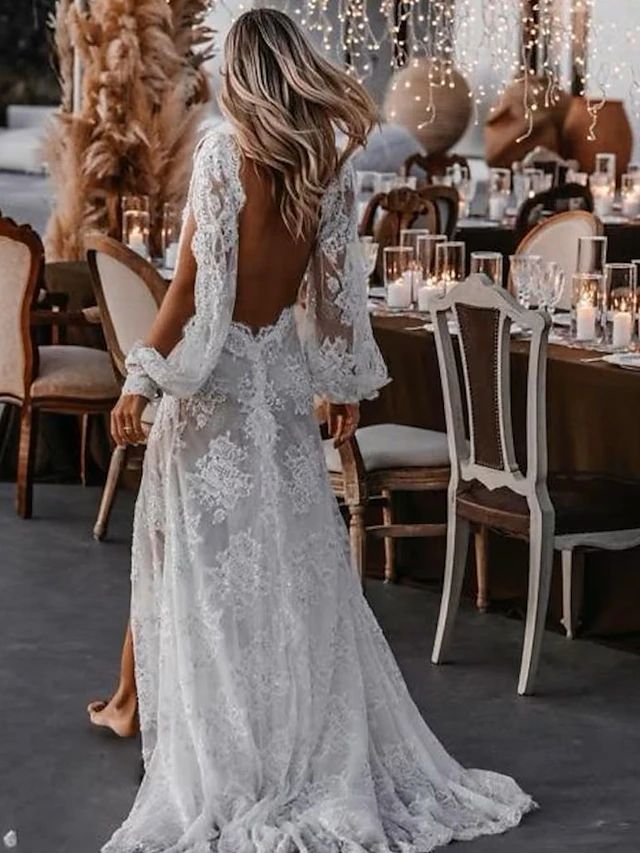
(592, 410)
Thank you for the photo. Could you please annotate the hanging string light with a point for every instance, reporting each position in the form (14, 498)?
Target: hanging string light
(540, 44)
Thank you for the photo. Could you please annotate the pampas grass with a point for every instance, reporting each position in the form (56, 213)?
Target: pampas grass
(143, 95)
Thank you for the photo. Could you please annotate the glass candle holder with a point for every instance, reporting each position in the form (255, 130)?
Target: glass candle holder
(385, 182)
(135, 202)
(458, 176)
(398, 276)
(605, 165)
(592, 255)
(135, 231)
(410, 237)
(450, 263)
(630, 191)
(603, 189)
(499, 193)
(489, 264)
(366, 183)
(171, 227)
(619, 314)
(586, 307)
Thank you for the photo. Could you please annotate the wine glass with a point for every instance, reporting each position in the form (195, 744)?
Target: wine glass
(552, 281)
(525, 274)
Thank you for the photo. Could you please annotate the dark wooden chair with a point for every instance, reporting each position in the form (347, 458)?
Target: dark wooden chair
(433, 165)
(570, 514)
(54, 378)
(377, 462)
(568, 197)
(386, 214)
(129, 291)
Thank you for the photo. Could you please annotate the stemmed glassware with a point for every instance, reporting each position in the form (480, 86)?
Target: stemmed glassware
(551, 287)
(525, 274)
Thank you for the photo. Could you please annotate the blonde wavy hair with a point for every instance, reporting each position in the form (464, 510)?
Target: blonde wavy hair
(285, 102)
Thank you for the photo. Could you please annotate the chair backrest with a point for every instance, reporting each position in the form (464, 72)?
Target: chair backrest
(556, 239)
(447, 202)
(388, 213)
(128, 290)
(21, 265)
(562, 199)
(433, 165)
(485, 314)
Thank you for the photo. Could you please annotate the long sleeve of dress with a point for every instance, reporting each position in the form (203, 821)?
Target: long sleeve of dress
(343, 357)
(215, 199)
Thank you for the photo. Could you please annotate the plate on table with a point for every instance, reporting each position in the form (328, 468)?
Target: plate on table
(626, 360)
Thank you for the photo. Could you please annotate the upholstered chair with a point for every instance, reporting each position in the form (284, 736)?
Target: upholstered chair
(377, 462)
(65, 379)
(556, 239)
(128, 292)
(569, 513)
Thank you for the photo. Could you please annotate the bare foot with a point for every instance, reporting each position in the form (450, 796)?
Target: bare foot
(119, 715)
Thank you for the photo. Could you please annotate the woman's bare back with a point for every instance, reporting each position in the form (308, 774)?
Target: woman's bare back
(271, 263)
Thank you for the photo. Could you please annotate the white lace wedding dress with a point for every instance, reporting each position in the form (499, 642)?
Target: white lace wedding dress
(274, 717)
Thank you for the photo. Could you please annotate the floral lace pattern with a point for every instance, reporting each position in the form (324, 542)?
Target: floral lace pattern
(274, 718)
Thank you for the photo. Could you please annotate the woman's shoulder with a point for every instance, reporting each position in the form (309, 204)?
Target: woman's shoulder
(215, 141)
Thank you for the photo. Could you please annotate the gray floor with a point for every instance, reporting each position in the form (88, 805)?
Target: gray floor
(64, 787)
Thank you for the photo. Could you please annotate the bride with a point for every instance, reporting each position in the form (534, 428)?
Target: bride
(274, 718)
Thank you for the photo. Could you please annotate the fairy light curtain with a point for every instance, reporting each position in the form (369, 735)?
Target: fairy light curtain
(525, 39)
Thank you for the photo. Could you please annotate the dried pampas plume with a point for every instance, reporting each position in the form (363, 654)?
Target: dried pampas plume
(143, 95)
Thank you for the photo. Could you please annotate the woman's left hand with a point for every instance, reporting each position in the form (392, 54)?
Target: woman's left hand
(342, 421)
(126, 420)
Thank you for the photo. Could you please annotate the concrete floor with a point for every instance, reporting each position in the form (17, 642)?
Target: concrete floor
(65, 787)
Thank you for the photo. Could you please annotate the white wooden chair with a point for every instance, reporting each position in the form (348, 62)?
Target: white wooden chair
(556, 239)
(129, 291)
(568, 513)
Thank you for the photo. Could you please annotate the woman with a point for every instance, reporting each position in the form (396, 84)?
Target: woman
(273, 715)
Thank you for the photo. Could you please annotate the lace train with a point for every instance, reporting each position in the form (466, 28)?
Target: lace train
(274, 716)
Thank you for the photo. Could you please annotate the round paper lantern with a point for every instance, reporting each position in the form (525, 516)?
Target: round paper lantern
(612, 131)
(410, 93)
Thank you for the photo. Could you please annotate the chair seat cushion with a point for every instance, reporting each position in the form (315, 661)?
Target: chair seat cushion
(74, 372)
(395, 446)
(582, 502)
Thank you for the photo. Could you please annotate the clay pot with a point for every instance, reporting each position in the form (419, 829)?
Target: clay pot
(508, 122)
(612, 131)
(408, 95)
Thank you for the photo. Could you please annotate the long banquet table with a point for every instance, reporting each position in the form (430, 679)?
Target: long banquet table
(593, 412)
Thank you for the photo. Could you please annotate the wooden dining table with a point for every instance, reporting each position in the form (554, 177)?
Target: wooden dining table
(593, 412)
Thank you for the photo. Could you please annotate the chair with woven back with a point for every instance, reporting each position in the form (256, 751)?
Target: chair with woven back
(569, 513)
(387, 214)
(556, 239)
(433, 165)
(73, 380)
(559, 199)
(128, 291)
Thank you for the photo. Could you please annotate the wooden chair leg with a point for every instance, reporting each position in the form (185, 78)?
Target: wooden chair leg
(116, 466)
(85, 429)
(389, 544)
(358, 537)
(572, 590)
(26, 460)
(540, 568)
(458, 530)
(482, 568)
